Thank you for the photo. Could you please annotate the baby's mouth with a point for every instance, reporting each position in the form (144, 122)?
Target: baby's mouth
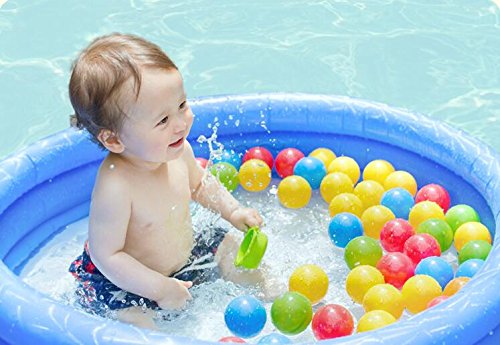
(177, 143)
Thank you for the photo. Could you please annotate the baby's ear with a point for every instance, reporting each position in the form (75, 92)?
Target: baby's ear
(110, 141)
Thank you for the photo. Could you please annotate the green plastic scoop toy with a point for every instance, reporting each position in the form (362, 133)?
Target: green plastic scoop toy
(252, 249)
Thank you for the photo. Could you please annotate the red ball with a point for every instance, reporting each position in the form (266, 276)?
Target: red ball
(436, 193)
(421, 246)
(396, 268)
(332, 321)
(395, 233)
(202, 162)
(437, 300)
(259, 153)
(285, 161)
(231, 340)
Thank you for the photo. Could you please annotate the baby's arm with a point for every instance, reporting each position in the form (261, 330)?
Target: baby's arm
(109, 217)
(210, 193)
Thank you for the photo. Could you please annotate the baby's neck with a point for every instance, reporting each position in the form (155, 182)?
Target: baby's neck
(138, 164)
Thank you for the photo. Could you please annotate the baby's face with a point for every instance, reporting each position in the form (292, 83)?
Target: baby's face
(159, 121)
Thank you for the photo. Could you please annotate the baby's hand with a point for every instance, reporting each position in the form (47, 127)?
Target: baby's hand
(243, 218)
(177, 294)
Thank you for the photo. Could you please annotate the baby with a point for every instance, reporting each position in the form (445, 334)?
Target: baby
(141, 255)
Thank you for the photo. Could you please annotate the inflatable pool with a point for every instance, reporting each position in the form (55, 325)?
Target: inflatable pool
(48, 185)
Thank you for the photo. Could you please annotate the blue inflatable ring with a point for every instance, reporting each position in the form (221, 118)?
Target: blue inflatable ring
(48, 185)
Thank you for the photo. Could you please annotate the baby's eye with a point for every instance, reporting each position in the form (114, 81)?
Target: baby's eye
(183, 105)
(163, 121)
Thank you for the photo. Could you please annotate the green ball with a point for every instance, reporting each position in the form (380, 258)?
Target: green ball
(291, 313)
(460, 214)
(440, 230)
(362, 250)
(477, 249)
(226, 174)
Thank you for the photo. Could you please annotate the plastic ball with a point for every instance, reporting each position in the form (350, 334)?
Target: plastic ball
(436, 301)
(334, 184)
(202, 162)
(226, 174)
(294, 192)
(291, 313)
(421, 246)
(346, 202)
(360, 280)
(259, 153)
(254, 175)
(471, 231)
(229, 156)
(374, 219)
(437, 268)
(394, 234)
(399, 201)
(418, 291)
(231, 340)
(369, 192)
(309, 280)
(477, 249)
(455, 285)
(436, 193)
(439, 229)
(384, 297)
(424, 210)
(245, 316)
(469, 268)
(396, 268)
(460, 214)
(323, 154)
(274, 338)
(403, 179)
(312, 169)
(373, 320)
(377, 170)
(343, 228)
(285, 161)
(347, 165)
(362, 250)
(332, 321)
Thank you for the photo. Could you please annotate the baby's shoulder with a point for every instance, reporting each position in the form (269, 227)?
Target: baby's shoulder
(111, 178)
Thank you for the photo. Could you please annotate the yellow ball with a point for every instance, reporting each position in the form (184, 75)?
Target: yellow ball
(455, 285)
(347, 165)
(384, 297)
(323, 154)
(346, 202)
(377, 170)
(374, 319)
(418, 291)
(360, 280)
(370, 192)
(374, 219)
(424, 210)
(334, 184)
(401, 179)
(471, 231)
(254, 175)
(294, 192)
(311, 281)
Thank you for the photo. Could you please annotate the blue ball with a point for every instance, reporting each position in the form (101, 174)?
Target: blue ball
(274, 338)
(343, 228)
(399, 201)
(312, 169)
(229, 156)
(245, 316)
(437, 268)
(469, 268)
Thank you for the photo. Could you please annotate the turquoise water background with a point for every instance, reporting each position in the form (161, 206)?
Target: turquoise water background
(440, 58)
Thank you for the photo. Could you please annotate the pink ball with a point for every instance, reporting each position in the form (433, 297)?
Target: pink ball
(395, 233)
(202, 162)
(396, 268)
(436, 193)
(437, 300)
(285, 161)
(332, 321)
(231, 340)
(421, 246)
(259, 153)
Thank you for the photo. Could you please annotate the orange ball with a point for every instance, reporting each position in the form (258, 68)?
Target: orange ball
(455, 285)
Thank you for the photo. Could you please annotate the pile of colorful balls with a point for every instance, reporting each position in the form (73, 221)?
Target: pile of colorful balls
(393, 235)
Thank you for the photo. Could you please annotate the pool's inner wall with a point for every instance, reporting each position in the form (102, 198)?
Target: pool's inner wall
(48, 186)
